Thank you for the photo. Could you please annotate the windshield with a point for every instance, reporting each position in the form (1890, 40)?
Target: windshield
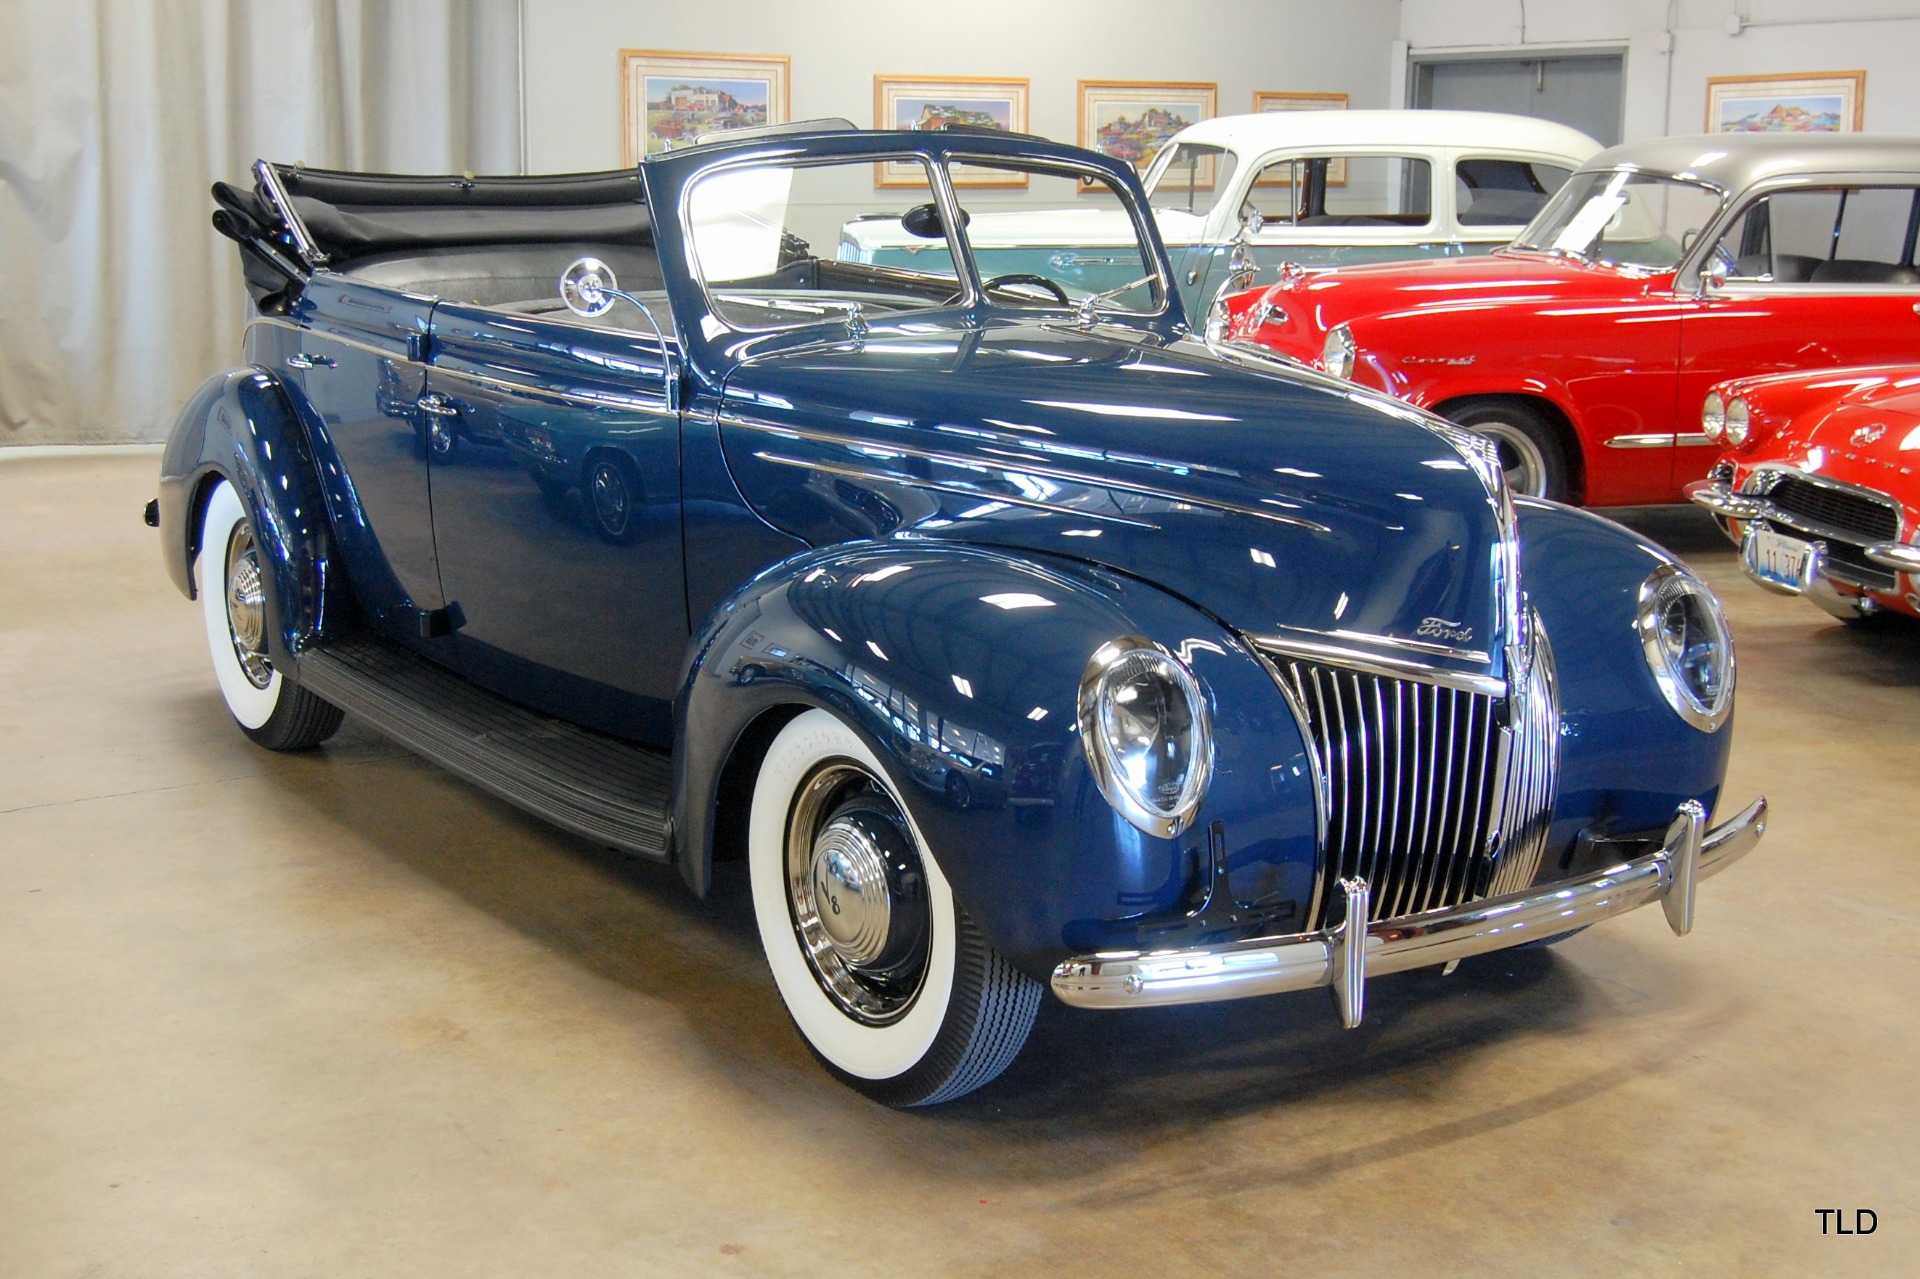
(1623, 218)
(1189, 177)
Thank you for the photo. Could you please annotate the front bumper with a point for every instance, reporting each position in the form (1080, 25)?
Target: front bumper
(1815, 580)
(1330, 957)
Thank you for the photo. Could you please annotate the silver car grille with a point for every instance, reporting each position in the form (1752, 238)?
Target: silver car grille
(1435, 795)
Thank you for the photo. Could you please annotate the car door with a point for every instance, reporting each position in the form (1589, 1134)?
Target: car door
(557, 510)
(355, 359)
(1820, 275)
(1331, 209)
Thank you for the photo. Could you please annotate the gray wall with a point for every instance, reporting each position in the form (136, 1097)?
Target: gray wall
(1672, 49)
(838, 46)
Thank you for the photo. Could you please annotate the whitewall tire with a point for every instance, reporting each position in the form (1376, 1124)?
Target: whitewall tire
(889, 981)
(234, 586)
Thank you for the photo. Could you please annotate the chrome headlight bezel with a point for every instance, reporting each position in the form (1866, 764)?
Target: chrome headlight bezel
(1666, 589)
(1739, 421)
(1338, 352)
(1114, 666)
(1713, 417)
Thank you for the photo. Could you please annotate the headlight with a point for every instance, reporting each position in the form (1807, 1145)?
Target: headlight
(1688, 649)
(1336, 354)
(1147, 733)
(1713, 416)
(1739, 421)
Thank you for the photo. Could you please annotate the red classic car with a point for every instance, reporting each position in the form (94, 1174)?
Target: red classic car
(1584, 348)
(1818, 486)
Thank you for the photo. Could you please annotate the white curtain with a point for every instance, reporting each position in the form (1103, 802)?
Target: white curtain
(116, 295)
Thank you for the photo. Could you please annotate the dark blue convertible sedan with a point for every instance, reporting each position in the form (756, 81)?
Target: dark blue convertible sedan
(1018, 635)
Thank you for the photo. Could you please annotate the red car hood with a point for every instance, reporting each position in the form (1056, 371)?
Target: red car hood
(1293, 316)
(1859, 426)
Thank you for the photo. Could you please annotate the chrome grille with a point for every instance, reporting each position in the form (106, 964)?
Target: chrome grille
(1857, 515)
(1435, 795)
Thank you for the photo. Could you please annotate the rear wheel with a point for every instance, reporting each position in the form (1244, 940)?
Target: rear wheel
(1530, 450)
(892, 985)
(234, 588)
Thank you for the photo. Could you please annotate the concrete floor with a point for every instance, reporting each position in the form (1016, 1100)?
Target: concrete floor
(340, 1014)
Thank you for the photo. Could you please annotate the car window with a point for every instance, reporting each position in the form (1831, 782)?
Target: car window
(1190, 177)
(1624, 218)
(1345, 190)
(1834, 235)
(776, 244)
(1496, 190)
(1096, 253)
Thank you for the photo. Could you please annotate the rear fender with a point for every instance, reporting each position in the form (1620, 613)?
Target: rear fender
(961, 668)
(239, 426)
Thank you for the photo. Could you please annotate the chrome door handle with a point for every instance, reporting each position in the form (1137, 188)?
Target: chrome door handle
(301, 360)
(437, 405)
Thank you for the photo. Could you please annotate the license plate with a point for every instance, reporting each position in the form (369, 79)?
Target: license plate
(1777, 558)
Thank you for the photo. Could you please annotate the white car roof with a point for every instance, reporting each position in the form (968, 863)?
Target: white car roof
(1253, 134)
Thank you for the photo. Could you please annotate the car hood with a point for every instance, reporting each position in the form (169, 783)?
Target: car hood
(1283, 505)
(1859, 426)
(1302, 306)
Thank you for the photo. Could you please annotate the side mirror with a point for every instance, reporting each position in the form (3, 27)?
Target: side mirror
(924, 220)
(1713, 276)
(1251, 224)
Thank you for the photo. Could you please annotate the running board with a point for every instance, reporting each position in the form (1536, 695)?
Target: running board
(598, 787)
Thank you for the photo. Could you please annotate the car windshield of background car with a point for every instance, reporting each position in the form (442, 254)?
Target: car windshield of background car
(1825, 235)
(1345, 191)
(1642, 220)
(1111, 268)
(1190, 177)
(771, 243)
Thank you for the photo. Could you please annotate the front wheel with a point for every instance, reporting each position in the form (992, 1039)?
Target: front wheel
(1530, 449)
(892, 985)
(234, 584)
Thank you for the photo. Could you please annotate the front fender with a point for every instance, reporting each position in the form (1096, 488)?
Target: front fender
(961, 668)
(239, 426)
(1627, 759)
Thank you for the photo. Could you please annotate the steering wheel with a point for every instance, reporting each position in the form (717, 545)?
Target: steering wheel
(1027, 277)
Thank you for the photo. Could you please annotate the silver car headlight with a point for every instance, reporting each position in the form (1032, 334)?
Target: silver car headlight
(1713, 417)
(1336, 354)
(1148, 735)
(1739, 421)
(1684, 636)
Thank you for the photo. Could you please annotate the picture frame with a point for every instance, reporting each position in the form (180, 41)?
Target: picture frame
(934, 102)
(1132, 119)
(1268, 100)
(1800, 102)
(668, 99)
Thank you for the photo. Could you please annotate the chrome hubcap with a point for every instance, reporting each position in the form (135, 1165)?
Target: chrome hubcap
(610, 498)
(856, 894)
(247, 609)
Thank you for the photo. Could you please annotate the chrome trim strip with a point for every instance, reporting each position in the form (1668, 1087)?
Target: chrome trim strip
(1044, 472)
(959, 490)
(1473, 655)
(1270, 965)
(1379, 664)
(1657, 440)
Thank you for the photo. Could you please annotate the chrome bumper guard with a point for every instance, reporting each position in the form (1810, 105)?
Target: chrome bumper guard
(1330, 957)
(1719, 497)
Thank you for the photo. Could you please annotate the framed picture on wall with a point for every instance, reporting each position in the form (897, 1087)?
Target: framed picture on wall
(1132, 119)
(1266, 100)
(922, 102)
(1805, 102)
(668, 100)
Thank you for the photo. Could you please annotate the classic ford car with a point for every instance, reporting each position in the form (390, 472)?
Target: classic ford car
(1016, 638)
(1584, 349)
(1329, 187)
(1817, 484)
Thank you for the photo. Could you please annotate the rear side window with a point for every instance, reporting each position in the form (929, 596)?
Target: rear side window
(1830, 235)
(1497, 191)
(1346, 190)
